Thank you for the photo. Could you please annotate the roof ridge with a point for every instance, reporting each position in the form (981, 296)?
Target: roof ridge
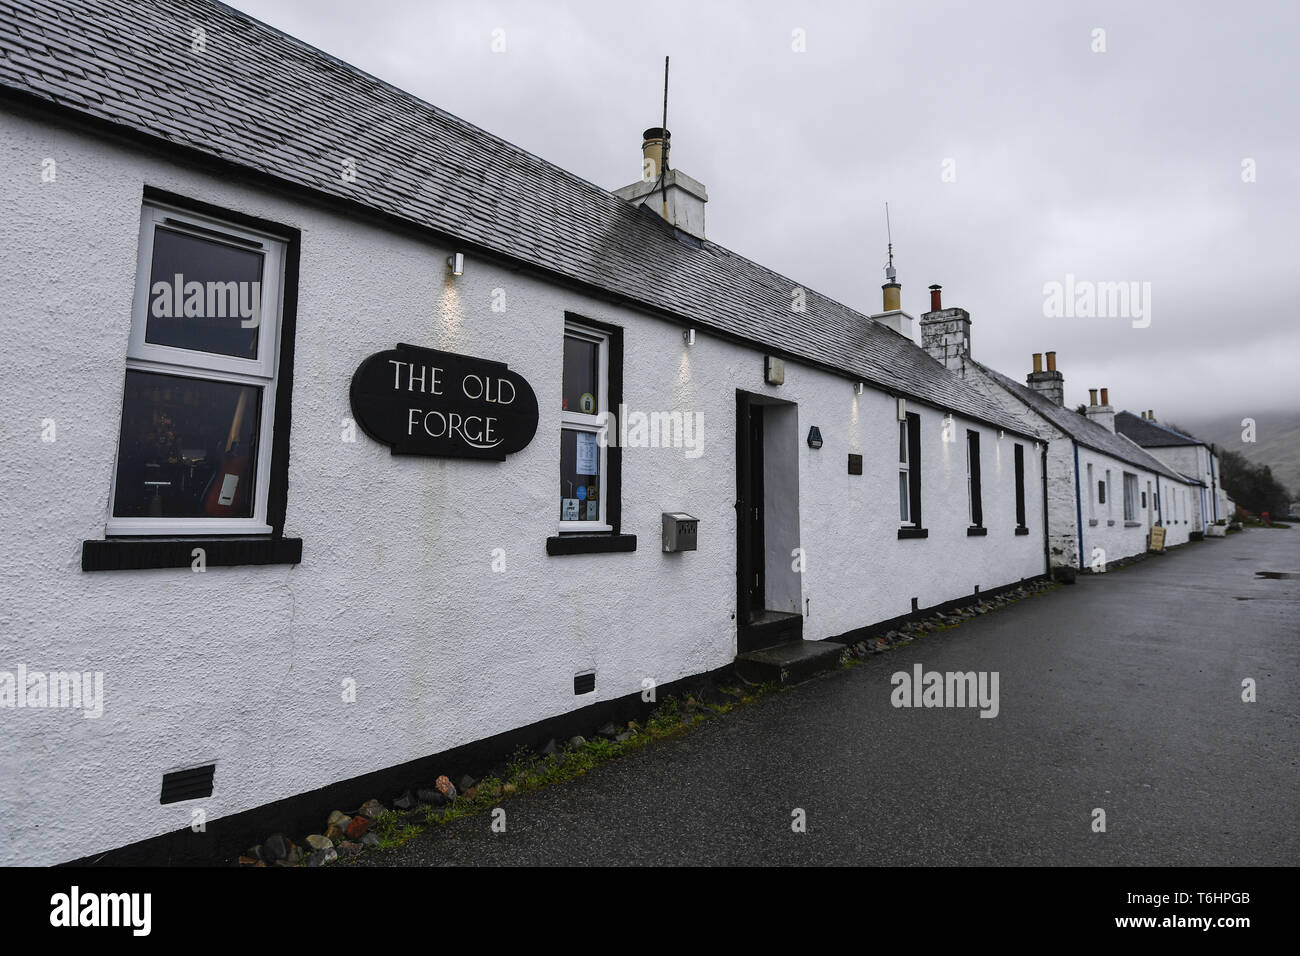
(286, 109)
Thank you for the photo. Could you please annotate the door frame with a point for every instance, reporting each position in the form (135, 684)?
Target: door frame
(745, 495)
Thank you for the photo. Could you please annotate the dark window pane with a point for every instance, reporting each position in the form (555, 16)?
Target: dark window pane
(175, 456)
(579, 476)
(580, 376)
(219, 289)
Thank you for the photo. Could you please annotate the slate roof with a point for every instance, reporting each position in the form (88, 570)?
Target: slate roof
(1151, 434)
(265, 101)
(1080, 428)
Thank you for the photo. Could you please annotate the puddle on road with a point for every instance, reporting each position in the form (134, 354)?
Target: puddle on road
(1278, 575)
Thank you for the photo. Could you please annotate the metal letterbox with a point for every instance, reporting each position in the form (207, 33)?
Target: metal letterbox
(680, 531)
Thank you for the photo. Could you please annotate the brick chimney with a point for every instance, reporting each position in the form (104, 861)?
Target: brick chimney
(676, 196)
(1101, 412)
(945, 333)
(1050, 383)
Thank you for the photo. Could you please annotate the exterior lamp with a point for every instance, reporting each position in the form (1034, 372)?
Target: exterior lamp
(858, 388)
(456, 263)
(689, 336)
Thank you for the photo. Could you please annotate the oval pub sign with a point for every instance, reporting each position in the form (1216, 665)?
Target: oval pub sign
(420, 401)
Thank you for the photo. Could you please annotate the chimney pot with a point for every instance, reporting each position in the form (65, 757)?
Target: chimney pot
(1051, 361)
(1038, 361)
(1151, 414)
(1092, 396)
(656, 144)
(1105, 396)
(935, 303)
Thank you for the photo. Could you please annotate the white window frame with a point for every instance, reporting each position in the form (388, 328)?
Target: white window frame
(1130, 505)
(1110, 497)
(1092, 494)
(905, 469)
(187, 363)
(597, 423)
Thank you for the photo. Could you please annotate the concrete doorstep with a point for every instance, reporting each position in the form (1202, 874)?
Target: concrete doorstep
(790, 662)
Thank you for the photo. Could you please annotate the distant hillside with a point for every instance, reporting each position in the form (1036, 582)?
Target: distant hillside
(1277, 441)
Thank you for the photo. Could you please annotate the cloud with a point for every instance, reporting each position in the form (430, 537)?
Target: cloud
(1122, 165)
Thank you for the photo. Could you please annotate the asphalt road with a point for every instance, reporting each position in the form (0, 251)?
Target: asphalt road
(1122, 692)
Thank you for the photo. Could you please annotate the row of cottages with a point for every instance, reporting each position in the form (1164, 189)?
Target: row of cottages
(1189, 456)
(1105, 493)
(371, 445)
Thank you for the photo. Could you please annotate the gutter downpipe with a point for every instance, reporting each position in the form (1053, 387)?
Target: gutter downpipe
(1160, 512)
(1078, 500)
(1047, 549)
(1214, 487)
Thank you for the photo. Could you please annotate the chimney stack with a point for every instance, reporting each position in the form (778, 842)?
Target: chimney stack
(1051, 383)
(672, 194)
(893, 315)
(945, 333)
(1102, 414)
(1151, 414)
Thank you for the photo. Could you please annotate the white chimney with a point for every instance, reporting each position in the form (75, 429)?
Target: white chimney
(674, 195)
(1102, 414)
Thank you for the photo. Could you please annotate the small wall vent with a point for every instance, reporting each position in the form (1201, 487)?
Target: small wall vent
(584, 683)
(187, 784)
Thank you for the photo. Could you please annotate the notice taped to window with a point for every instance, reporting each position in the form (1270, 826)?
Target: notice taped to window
(586, 464)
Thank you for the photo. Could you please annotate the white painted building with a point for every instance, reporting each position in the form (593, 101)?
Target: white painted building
(1104, 493)
(280, 607)
(1186, 455)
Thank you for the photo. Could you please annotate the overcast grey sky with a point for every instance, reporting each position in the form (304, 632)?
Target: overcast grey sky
(1122, 165)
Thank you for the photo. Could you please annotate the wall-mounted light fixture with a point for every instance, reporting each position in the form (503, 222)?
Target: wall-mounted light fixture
(1002, 433)
(858, 388)
(456, 263)
(689, 336)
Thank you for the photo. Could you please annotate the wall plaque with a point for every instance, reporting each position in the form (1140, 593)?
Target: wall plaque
(420, 401)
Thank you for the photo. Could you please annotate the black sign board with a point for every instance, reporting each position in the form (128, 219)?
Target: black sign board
(422, 401)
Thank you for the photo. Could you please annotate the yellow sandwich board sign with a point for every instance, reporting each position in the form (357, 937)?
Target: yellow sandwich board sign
(1157, 540)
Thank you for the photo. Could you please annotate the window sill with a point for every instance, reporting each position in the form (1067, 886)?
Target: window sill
(1132, 524)
(590, 543)
(1022, 530)
(976, 531)
(134, 554)
(913, 533)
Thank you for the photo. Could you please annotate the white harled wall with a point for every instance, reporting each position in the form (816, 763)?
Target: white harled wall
(396, 590)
